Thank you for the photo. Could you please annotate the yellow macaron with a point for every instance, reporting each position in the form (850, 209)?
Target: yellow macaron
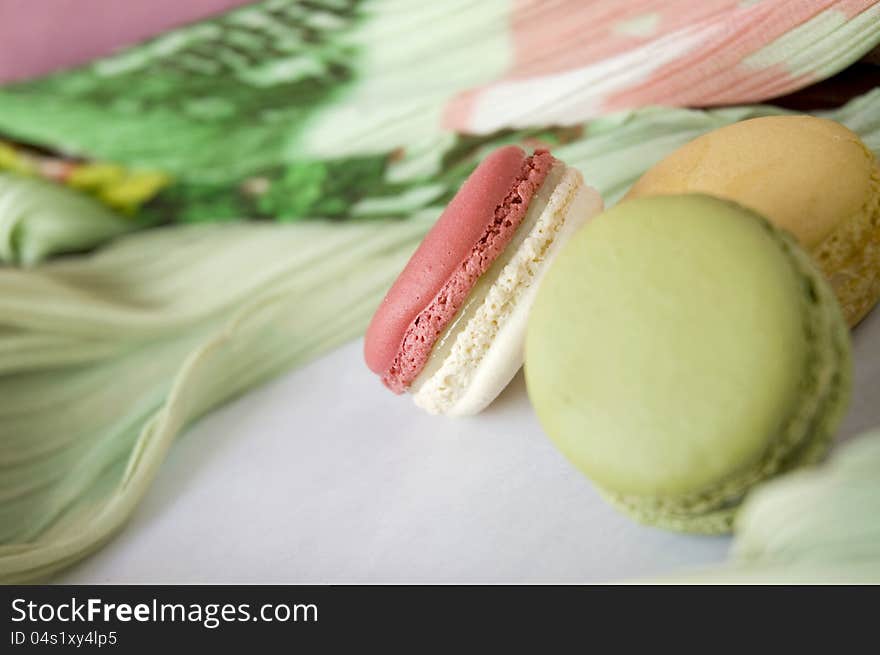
(810, 176)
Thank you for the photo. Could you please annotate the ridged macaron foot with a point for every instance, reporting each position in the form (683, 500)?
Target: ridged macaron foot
(451, 328)
(811, 176)
(680, 350)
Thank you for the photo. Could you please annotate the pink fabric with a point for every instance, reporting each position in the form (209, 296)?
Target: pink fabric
(40, 36)
(573, 33)
(701, 48)
(470, 234)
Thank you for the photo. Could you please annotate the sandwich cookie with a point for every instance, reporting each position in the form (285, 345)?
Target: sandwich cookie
(680, 350)
(451, 329)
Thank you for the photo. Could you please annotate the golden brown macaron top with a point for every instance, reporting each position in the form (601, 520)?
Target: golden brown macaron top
(811, 176)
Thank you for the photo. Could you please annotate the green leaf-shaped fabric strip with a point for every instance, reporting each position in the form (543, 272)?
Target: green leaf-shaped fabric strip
(817, 526)
(39, 219)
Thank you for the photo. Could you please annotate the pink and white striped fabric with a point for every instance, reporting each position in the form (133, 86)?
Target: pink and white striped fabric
(574, 60)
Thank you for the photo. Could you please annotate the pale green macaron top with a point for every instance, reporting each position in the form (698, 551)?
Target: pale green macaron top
(681, 349)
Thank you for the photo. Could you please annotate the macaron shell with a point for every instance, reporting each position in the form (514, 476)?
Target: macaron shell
(805, 174)
(666, 346)
(803, 441)
(811, 176)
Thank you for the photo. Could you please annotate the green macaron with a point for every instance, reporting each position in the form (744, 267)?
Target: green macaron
(680, 350)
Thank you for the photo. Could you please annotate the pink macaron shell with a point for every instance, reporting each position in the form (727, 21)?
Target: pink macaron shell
(470, 234)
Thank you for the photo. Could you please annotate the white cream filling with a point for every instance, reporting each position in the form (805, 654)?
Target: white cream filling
(482, 348)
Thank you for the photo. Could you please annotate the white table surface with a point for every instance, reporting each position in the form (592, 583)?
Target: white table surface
(323, 476)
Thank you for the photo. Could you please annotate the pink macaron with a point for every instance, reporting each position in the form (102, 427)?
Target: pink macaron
(451, 329)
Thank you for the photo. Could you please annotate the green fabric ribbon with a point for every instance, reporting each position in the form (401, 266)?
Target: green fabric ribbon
(812, 526)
